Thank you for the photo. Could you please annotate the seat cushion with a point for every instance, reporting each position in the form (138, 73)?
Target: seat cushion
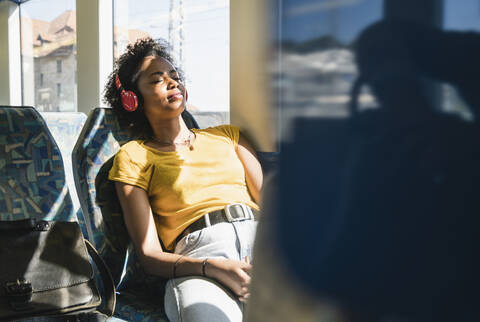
(137, 305)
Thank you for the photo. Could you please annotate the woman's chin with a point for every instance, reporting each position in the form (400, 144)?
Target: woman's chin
(177, 104)
(175, 109)
(170, 109)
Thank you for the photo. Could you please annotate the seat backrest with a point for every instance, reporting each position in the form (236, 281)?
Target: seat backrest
(207, 119)
(32, 178)
(100, 139)
(118, 249)
(65, 128)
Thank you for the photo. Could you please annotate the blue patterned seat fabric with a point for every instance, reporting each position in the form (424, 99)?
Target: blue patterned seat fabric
(32, 179)
(65, 128)
(100, 139)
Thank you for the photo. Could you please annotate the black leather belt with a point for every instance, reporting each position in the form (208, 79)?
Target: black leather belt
(231, 213)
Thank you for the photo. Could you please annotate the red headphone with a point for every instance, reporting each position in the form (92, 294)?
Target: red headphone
(129, 99)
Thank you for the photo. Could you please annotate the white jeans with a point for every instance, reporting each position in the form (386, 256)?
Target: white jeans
(199, 299)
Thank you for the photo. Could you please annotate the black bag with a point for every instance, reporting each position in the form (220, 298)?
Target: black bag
(45, 273)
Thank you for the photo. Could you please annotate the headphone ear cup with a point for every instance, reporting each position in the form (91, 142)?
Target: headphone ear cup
(186, 95)
(129, 100)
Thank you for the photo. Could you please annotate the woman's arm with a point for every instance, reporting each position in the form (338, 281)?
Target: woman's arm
(253, 169)
(138, 217)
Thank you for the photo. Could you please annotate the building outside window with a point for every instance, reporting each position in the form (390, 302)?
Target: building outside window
(59, 89)
(48, 40)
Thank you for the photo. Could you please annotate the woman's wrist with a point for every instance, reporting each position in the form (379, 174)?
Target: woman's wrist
(204, 267)
(175, 266)
(187, 266)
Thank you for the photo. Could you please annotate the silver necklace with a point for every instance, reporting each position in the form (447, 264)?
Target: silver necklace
(188, 141)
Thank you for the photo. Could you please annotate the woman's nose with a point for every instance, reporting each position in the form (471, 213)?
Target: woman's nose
(172, 83)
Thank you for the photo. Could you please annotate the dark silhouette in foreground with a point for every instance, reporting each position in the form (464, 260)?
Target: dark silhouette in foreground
(380, 212)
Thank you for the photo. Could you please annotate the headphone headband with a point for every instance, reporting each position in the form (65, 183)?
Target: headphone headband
(117, 82)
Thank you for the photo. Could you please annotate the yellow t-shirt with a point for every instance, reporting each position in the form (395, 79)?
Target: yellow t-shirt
(186, 184)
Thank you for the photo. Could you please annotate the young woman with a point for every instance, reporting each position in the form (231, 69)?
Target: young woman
(193, 191)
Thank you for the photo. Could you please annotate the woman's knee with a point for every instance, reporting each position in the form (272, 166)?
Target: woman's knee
(200, 299)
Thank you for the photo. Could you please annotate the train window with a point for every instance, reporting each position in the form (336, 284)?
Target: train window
(48, 48)
(314, 62)
(199, 35)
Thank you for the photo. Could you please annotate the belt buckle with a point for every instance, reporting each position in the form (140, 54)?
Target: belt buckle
(247, 212)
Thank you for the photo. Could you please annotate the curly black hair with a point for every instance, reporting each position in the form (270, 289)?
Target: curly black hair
(127, 68)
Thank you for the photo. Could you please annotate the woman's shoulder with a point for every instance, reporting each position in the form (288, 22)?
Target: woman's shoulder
(131, 148)
(227, 130)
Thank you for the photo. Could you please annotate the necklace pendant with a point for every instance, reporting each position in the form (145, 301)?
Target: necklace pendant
(185, 142)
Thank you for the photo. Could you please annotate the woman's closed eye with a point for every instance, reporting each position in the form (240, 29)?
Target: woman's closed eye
(162, 79)
(156, 81)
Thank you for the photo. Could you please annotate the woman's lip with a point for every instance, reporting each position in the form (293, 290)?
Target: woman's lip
(175, 96)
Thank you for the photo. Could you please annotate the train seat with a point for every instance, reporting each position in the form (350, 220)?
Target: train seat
(32, 178)
(99, 140)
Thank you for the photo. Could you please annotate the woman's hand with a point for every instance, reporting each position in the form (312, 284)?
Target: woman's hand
(231, 273)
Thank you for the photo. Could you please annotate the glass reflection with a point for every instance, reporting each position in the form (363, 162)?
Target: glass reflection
(380, 206)
(314, 60)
